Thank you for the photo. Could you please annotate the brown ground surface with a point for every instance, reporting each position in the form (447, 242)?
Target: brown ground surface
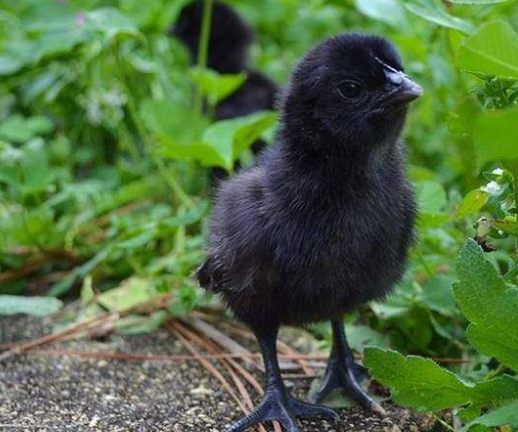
(59, 394)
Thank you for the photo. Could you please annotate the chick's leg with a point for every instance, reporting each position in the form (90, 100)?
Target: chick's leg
(344, 373)
(277, 404)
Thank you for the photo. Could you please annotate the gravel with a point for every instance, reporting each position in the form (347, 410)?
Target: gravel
(58, 394)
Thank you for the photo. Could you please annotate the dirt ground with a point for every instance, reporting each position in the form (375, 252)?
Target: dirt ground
(58, 394)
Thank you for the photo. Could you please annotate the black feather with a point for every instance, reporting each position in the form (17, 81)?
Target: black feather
(324, 221)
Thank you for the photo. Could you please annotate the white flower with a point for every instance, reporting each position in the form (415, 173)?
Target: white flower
(491, 188)
(500, 232)
(498, 171)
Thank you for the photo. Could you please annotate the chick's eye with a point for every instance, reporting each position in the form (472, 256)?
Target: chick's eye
(349, 90)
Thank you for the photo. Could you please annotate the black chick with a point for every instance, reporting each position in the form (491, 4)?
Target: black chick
(323, 222)
(229, 42)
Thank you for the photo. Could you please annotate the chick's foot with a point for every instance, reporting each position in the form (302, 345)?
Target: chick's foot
(277, 406)
(339, 375)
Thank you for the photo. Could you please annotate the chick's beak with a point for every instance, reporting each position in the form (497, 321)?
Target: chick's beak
(403, 88)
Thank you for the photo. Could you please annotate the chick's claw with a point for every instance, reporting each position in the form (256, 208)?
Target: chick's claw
(341, 377)
(308, 410)
(274, 407)
(283, 409)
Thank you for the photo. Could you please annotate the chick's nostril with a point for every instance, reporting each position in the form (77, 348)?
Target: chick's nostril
(395, 78)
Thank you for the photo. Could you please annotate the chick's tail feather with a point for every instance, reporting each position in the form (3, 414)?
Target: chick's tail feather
(208, 276)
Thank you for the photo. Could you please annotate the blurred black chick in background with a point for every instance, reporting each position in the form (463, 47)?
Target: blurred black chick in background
(229, 43)
(323, 222)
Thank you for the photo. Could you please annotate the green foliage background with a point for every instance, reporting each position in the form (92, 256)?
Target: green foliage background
(104, 149)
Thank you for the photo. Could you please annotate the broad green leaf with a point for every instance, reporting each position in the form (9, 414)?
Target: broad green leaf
(15, 129)
(503, 416)
(198, 151)
(389, 11)
(229, 138)
(416, 382)
(9, 65)
(360, 336)
(129, 293)
(179, 132)
(171, 123)
(431, 200)
(489, 304)
(423, 385)
(435, 12)
(36, 306)
(492, 50)
(39, 125)
(496, 136)
(20, 129)
(431, 196)
(48, 16)
(221, 143)
(437, 294)
(495, 392)
(214, 86)
(110, 22)
(472, 203)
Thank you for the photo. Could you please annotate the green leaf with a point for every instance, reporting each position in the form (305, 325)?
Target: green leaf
(36, 306)
(508, 225)
(360, 336)
(129, 293)
(435, 12)
(416, 382)
(431, 200)
(19, 129)
(391, 12)
(496, 136)
(489, 304)
(36, 169)
(472, 203)
(423, 385)
(229, 138)
(437, 294)
(138, 324)
(214, 86)
(431, 197)
(9, 64)
(79, 272)
(503, 416)
(171, 123)
(492, 50)
(495, 392)
(15, 129)
(110, 22)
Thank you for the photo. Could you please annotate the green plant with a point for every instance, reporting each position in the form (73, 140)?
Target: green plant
(106, 133)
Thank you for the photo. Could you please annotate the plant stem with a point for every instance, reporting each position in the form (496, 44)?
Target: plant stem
(203, 49)
(165, 172)
(429, 272)
(441, 421)
(494, 373)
